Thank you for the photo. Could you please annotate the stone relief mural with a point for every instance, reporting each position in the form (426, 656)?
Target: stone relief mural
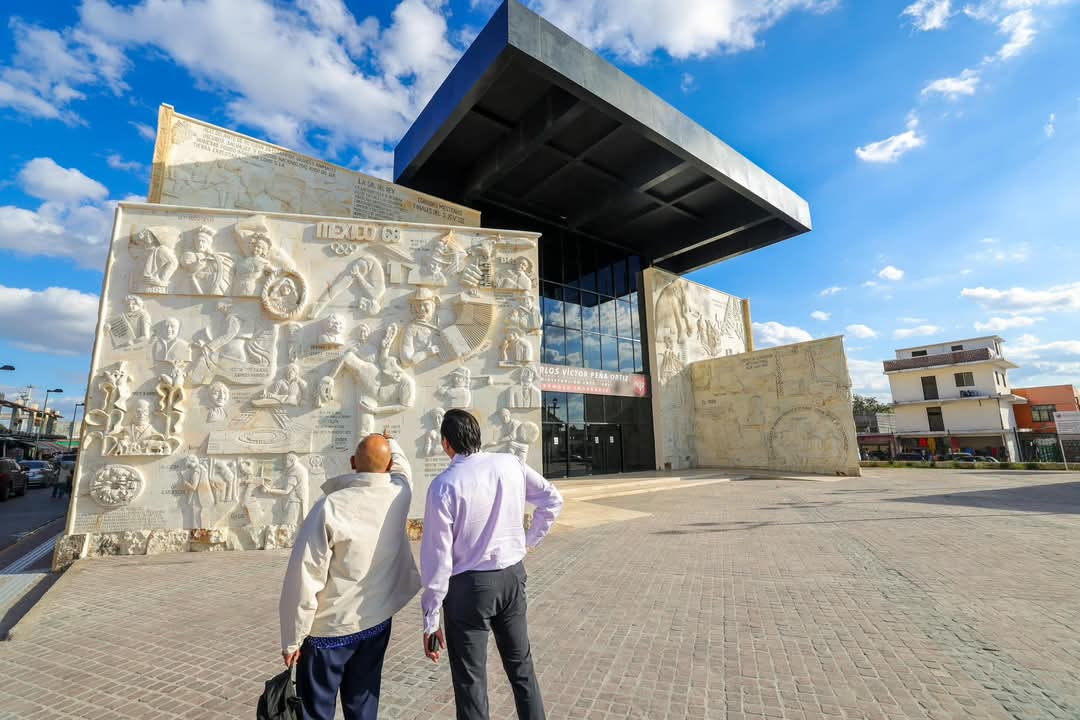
(202, 165)
(688, 323)
(785, 408)
(240, 356)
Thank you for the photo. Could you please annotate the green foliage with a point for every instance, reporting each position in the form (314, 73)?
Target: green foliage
(866, 405)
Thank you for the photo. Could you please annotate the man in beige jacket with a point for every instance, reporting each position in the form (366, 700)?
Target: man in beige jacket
(351, 569)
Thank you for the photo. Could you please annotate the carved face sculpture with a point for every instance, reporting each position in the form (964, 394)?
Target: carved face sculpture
(425, 310)
(326, 390)
(528, 376)
(291, 460)
(505, 416)
(286, 289)
(292, 373)
(334, 325)
(134, 304)
(437, 416)
(260, 246)
(246, 467)
(363, 332)
(393, 370)
(142, 413)
(522, 265)
(172, 329)
(204, 240)
(461, 380)
(219, 394)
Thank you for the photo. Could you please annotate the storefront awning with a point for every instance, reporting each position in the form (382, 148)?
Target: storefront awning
(533, 122)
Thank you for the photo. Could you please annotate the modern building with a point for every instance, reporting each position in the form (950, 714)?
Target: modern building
(876, 433)
(1038, 432)
(539, 133)
(955, 397)
(26, 430)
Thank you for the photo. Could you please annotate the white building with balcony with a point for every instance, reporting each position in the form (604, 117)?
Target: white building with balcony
(955, 397)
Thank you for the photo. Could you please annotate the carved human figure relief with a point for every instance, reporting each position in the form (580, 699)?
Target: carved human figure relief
(294, 489)
(382, 386)
(526, 394)
(332, 332)
(525, 316)
(168, 346)
(218, 395)
(139, 437)
(436, 264)
(260, 259)
(672, 302)
(230, 346)
(515, 349)
(209, 272)
(284, 295)
(154, 249)
(131, 326)
(364, 279)
(197, 495)
(670, 364)
(456, 390)
(421, 338)
(324, 394)
(515, 436)
(516, 275)
(478, 272)
(289, 389)
(171, 395)
(431, 443)
(248, 484)
(116, 485)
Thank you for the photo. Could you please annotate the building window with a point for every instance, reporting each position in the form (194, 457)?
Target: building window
(1043, 413)
(964, 379)
(929, 388)
(937, 422)
(918, 353)
(957, 348)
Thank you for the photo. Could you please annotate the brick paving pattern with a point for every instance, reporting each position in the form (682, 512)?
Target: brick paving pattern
(904, 594)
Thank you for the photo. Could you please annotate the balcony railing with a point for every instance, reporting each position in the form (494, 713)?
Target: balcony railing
(952, 358)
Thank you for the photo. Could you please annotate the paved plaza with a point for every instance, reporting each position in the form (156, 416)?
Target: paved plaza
(903, 594)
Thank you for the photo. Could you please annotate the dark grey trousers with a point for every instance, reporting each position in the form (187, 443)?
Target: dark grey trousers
(478, 603)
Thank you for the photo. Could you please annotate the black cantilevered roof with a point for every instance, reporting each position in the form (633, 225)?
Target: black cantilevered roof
(530, 120)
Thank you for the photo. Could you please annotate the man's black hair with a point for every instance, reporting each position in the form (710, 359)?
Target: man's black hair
(462, 431)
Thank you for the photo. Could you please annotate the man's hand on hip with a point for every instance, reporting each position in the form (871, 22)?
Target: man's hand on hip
(290, 658)
(434, 655)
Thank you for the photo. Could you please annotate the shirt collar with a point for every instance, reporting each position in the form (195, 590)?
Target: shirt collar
(364, 479)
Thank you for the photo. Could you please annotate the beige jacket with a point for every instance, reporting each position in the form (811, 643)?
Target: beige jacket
(351, 567)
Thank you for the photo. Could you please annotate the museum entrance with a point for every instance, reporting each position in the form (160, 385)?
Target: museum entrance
(596, 435)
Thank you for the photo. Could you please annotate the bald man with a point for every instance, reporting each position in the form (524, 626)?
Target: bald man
(351, 569)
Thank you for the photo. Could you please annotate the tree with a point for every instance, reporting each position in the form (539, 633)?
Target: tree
(868, 405)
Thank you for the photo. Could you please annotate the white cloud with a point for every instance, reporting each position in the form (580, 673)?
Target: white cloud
(771, 334)
(890, 272)
(892, 148)
(820, 315)
(74, 221)
(911, 320)
(686, 84)
(634, 30)
(871, 284)
(1046, 362)
(861, 331)
(1000, 324)
(1050, 128)
(928, 14)
(868, 378)
(917, 331)
(145, 131)
(1019, 299)
(1019, 27)
(953, 87)
(63, 319)
(50, 70)
(116, 162)
(835, 289)
(1000, 252)
(45, 180)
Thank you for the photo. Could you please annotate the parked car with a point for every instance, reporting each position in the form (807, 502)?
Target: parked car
(39, 472)
(986, 459)
(960, 457)
(12, 479)
(910, 457)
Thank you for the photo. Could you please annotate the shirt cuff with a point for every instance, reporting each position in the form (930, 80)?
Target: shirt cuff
(431, 623)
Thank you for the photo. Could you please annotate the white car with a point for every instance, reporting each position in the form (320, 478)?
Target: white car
(39, 473)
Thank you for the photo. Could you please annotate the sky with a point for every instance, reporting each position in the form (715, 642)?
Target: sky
(936, 142)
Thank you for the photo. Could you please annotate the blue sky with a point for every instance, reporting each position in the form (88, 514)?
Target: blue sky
(937, 143)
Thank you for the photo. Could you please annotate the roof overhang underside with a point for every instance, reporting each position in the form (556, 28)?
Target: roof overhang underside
(534, 122)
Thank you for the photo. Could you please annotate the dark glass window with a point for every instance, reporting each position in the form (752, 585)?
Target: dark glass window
(594, 408)
(618, 271)
(609, 351)
(626, 356)
(553, 306)
(604, 283)
(551, 258)
(575, 408)
(590, 312)
(554, 346)
(934, 418)
(633, 267)
(591, 351)
(573, 348)
(554, 406)
(608, 325)
(635, 313)
(639, 361)
(570, 262)
(572, 308)
(626, 326)
(1043, 413)
(579, 464)
(587, 260)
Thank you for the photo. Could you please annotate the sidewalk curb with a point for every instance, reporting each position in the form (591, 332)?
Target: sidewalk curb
(24, 629)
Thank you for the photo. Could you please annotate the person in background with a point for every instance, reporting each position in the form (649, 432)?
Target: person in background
(471, 558)
(350, 570)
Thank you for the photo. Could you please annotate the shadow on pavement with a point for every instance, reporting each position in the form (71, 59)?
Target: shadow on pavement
(1053, 497)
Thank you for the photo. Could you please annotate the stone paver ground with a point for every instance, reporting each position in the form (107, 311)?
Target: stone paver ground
(903, 594)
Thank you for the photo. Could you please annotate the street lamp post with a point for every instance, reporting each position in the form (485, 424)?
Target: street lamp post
(71, 430)
(44, 408)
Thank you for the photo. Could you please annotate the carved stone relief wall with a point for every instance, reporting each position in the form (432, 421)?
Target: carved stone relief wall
(687, 322)
(786, 408)
(240, 357)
